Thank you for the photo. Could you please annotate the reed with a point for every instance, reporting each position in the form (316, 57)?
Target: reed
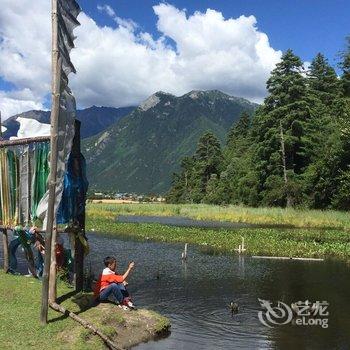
(303, 218)
(313, 243)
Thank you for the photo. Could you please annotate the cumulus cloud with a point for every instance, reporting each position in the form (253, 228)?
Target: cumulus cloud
(122, 65)
(11, 104)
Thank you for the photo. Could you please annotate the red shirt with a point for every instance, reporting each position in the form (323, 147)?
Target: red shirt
(106, 278)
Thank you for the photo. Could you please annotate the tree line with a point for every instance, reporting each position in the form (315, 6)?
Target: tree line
(293, 152)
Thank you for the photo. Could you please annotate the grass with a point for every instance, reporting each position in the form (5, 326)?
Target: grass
(263, 216)
(19, 314)
(325, 243)
(20, 327)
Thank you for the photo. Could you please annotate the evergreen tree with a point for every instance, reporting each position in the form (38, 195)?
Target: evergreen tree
(285, 113)
(208, 158)
(190, 185)
(238, 182)
(345, 66)
(295, 150)
(323, 81)
(239, 129)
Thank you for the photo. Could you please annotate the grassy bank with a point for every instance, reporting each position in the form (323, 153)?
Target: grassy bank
(262, 241)
(20, 327)
(263, 216)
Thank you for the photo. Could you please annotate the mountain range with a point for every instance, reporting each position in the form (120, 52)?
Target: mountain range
(94, 119)
(137, 149)
(140, 152)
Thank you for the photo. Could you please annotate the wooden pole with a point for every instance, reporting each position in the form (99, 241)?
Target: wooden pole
(0, 127)
(286, 258)
(78, 246)
(53, 268)
(29, 179)
(75, 317)
(5, 243)
(25, 141)
(56, 77)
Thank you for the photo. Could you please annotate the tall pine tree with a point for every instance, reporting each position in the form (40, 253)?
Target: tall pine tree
(279, 130)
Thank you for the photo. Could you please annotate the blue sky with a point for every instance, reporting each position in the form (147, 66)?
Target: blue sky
(127, 50)
(306, 26)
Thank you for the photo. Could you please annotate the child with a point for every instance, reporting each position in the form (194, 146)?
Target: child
(112, 285)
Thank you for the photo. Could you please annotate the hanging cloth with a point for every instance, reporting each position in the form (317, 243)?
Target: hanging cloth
(4, 188)
(9, 187)
(13, 174)
(75, 187)
(25, 185)
(40, 176)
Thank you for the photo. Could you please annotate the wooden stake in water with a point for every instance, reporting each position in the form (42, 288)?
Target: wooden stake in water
(241, 247)
(184, 253)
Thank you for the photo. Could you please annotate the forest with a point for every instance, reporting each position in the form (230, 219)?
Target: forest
(294, 151)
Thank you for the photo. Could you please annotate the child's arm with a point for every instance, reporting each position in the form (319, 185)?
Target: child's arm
(126, 274)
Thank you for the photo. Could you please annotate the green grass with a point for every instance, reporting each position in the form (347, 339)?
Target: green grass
(263, 216)
(325, 243)
(19, 314)
(20, 327)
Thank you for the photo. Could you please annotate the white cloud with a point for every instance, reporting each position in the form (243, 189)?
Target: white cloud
(121, 65)
(14, 105)
(107, 9)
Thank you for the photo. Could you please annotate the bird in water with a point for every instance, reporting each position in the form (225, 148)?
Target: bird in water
(233, 307)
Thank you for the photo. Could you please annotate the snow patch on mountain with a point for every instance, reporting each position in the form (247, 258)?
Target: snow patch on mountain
(195, 94)
(3, 128)
(149, 103)
(31, 128)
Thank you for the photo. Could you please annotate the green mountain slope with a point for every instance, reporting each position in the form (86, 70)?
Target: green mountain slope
(140, 152)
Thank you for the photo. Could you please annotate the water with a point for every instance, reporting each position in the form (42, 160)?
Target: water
(195, 295)
(182, 222)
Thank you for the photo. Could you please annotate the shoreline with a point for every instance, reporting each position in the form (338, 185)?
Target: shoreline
(263, 216)
(20, 299)
(292, 242)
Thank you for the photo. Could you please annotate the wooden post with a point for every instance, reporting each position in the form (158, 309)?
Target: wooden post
(5, 243)
(78, 246)
(53, 268)
(289, 199)
(184, 253)
(56, 77)
(0, 127)
(29, 187)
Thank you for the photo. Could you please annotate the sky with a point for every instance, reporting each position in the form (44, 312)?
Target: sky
(127, 50)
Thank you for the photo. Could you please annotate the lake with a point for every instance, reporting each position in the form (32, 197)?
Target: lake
(195, 295)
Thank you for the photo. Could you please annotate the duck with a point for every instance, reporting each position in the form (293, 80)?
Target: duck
(233, 306)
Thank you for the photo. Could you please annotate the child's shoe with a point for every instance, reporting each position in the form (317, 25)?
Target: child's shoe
(129, 303)
(124, 307)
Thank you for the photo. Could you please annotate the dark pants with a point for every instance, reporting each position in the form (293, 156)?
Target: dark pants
(115, 290)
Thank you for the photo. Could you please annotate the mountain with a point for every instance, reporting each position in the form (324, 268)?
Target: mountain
(140, 152)
(94, 119)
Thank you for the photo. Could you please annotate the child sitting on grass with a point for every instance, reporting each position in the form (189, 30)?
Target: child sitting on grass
(112, 285)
